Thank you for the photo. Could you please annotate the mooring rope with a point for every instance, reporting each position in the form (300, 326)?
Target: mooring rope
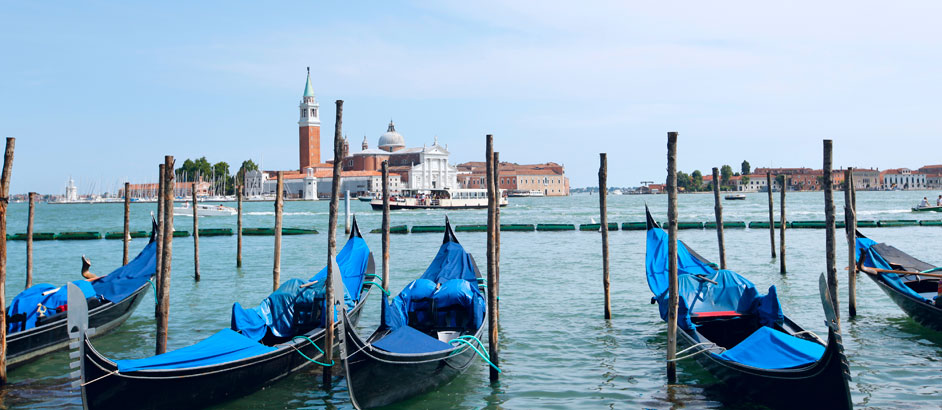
(315, 346)
(705, 350)
(154, 287)
(378, 286)
(483, 357)
(102, 377)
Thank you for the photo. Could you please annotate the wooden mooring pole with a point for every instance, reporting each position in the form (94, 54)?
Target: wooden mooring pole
(496, 164)
(4, 201)
(346, 212)
(238, 189)
(160, 238)
(492, 227)
(850, 222)
(673, 298)
(279, 210)
(196, 237)
(718, 210)
(781, 232)
(127, 221)
(829, 241)
(332, 244)
(29, 239)
(385, 239)
(164, 305)
(768, 183)
(603, 218)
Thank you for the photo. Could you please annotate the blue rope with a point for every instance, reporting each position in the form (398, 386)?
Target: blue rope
(486, 358)
(378, 286)
(316, 347)
(931, 270)
(153, 286)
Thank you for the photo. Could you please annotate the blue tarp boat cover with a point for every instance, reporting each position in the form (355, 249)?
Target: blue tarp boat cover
(768, 348)
(873, 259)
(114, 287)
(405, 339)
(224, 346)
(732, 292)
(444, 296)
(290, 310)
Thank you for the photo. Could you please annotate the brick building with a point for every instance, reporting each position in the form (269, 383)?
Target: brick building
(549, 178)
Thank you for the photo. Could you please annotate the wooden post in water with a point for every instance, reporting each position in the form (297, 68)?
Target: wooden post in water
(496, 164)
(673, 298)
(492, 227)
(829, 241)
(164, 313)
(781, 232)
(196, 238)
(768, 182)
(603, 218)
(29, 240)
(238, 189)
(332, 244)
(127, 221)
(160, 238)
(718, 210)
(850, 222)
(4, 201)
(385, 239)
(346, 212)
(279, 210)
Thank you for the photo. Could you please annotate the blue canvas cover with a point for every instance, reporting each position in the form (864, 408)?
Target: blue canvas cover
(28, 302)
(405, 339)
(873, 259)
(125, 280)
(353, 260)
(224, 346)
(768, 348)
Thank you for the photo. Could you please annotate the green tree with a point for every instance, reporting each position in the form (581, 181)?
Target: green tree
(744, 180)
(247, 165)
(745, 168)
(191, 169)
(696, 180)
(726, 172)
(683, 180)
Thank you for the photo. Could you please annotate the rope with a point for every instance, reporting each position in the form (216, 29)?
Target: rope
(315, 346)
(706, 350)
(102, 377)
(377, 285)
(365, 347)
(486, 359)
(154, 287)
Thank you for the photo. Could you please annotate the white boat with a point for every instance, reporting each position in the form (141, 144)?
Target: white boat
(735, 197)
(204, 210)
(522, 193)
(438, 199)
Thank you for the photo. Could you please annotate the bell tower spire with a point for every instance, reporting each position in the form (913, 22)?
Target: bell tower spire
(309, 127)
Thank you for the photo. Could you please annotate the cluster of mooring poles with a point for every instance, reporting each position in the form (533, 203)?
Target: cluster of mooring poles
(830, 244)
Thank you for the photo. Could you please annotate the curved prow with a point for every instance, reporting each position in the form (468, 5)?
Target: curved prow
(355, 229)
(78, 329)
(449, 234)
(153, 229)
(830, 316)
(650, 219)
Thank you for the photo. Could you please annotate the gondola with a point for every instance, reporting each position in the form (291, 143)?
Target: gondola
(743, 338)
(36, 318)
(428, 335)
(903, 278)
(282, 335)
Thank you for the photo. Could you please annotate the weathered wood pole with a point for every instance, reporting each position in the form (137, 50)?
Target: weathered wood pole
(196, 238)
(4, 201)
(850, 222)
(332, 243)
(603, 217)
(160, 237)
(781, 232)
(673, 298)
(238, 190)
(768, 183)
(279, 210)
(492, 228)
(496, 164)
(164, 313)
(127, 221)
(829, 241)
(29, 240)
(346, 212)
(718, 210)
(385, 239)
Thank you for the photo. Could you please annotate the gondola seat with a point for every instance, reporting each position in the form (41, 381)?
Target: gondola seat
(767, 348)
(407, 339)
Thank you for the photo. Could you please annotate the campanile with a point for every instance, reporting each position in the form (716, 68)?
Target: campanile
(309, 127)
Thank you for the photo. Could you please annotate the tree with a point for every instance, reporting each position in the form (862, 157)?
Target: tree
(696, 180)
(247, 166)
(744, 180)
(192, 169)
(745, 168)
(221, 172)
(683, 180)
(726, 172)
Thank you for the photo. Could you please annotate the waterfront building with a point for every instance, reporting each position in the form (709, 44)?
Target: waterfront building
(903, 178)
(933, 175)
(309, 128)
(418, 168)
(71, 192)
(548, 178)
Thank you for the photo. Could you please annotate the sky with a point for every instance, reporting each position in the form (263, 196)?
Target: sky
(100, 91)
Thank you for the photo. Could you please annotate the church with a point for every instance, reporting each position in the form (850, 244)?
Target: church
(419, 168)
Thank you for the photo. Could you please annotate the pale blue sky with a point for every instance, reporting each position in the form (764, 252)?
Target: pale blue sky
(102, 90)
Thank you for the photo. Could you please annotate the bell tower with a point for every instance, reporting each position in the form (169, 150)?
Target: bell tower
(309, 127)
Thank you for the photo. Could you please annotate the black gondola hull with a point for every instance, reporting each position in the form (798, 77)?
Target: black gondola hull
(923, 313)
(194, 387)
(33, 343)
(824, 383)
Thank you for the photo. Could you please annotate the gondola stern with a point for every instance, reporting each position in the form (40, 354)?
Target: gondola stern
(355, 229)
(449, 233)
(153, 229)
(651, 223)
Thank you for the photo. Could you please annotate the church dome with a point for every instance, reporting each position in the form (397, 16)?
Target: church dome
(391, 139)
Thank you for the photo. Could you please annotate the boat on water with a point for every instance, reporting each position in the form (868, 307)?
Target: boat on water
(911, 283)
(927, 208)
(285, 333)
(438, 199)
(744, 338)
(427, 336)
(735, 197)
(36, 318)
(524, 194)
(365, 198)
(204, 210)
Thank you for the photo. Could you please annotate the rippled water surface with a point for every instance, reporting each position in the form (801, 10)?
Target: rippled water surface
(556, 350)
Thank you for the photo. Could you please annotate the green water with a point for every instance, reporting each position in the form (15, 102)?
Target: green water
(556, 350)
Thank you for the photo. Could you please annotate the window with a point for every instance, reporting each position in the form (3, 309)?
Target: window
(304, 113)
